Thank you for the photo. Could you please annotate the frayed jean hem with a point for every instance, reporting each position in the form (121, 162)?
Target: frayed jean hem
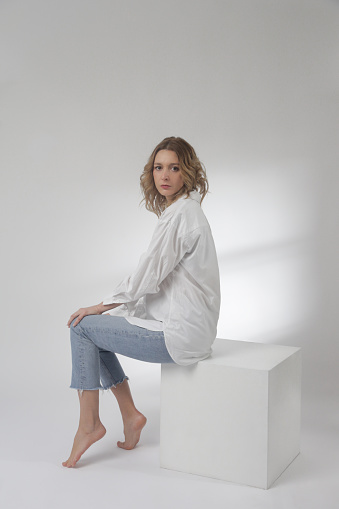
(101, 388)
(116, 383)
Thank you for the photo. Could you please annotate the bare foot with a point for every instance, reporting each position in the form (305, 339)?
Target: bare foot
(82, 441)
(132, 431)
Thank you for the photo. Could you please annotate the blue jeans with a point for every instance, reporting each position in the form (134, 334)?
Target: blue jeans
(96, 340)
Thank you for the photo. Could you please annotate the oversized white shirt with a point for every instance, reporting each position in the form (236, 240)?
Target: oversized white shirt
(175, 287)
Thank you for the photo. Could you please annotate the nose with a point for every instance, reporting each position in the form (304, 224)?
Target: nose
(165, 174)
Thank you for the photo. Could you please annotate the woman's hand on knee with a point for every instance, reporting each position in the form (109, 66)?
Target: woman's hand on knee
(79, 315)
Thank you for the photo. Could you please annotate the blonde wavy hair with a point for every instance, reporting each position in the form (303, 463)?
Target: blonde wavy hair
(191, 169)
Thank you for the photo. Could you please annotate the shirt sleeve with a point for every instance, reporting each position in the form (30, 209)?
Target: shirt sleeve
(165, 251)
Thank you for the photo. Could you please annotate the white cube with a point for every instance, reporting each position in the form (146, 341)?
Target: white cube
(234, 416)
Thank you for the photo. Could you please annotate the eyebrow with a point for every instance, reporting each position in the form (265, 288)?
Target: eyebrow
(171, 164)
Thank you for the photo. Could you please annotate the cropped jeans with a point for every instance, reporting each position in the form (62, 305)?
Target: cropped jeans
(97, 339)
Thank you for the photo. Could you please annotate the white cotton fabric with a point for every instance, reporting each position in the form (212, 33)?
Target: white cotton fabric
(175, 287)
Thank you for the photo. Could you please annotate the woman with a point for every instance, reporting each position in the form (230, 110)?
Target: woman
(170, 304)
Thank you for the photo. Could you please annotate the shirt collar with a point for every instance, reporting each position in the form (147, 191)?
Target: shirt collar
(195, 196)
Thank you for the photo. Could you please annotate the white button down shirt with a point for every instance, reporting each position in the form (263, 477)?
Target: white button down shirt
(175, 287)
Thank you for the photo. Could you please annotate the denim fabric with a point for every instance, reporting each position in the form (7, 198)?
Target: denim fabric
(96, 340)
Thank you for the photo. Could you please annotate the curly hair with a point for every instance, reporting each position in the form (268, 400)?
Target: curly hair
(192, 171)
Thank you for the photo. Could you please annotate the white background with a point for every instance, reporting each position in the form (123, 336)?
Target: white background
(88, 88)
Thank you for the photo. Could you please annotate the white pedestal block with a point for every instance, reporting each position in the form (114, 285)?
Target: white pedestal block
(234, 416)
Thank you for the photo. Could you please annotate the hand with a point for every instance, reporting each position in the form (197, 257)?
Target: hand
(92, 310)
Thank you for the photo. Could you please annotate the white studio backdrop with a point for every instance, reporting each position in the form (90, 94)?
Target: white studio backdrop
(88, 88)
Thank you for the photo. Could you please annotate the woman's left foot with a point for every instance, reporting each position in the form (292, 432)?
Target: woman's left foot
(132, 431)
(82, 441)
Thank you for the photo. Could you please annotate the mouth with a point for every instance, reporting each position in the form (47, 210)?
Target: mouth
(165, 186)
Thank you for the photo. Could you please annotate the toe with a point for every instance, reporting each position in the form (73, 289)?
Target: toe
(123, 445)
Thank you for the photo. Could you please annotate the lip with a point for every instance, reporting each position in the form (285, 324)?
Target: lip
(164, 186)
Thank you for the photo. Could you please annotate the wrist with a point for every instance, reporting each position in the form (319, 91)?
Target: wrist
(101, 308)
(107, 307)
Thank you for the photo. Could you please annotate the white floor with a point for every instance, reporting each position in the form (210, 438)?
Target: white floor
(37, 434)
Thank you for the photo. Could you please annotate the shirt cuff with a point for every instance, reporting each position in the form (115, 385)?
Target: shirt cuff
(113, 300)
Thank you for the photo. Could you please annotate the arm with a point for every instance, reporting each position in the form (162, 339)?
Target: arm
(165, 251)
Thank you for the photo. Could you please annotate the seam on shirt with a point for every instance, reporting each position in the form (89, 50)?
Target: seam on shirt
(197, 228)
(172, 224)
(153, 275)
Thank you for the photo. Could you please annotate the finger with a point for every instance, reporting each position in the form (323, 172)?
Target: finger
(78, 320)
(72, 318)
(70, 321)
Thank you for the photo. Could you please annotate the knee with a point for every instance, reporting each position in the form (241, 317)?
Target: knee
(74, 331)
(81, 328)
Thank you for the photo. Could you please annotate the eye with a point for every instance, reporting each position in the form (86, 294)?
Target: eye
(157, 168)
(175, 168)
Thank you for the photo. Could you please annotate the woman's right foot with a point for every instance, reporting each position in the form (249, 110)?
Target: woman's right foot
(132, 431)
(82, 441)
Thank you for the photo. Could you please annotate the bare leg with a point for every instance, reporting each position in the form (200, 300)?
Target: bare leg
(133, 420)
(90, 428)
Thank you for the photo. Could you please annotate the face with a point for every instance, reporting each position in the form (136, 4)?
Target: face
(166, 173)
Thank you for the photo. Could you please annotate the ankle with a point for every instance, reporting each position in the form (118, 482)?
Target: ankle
(132, 417)
(88, 427)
